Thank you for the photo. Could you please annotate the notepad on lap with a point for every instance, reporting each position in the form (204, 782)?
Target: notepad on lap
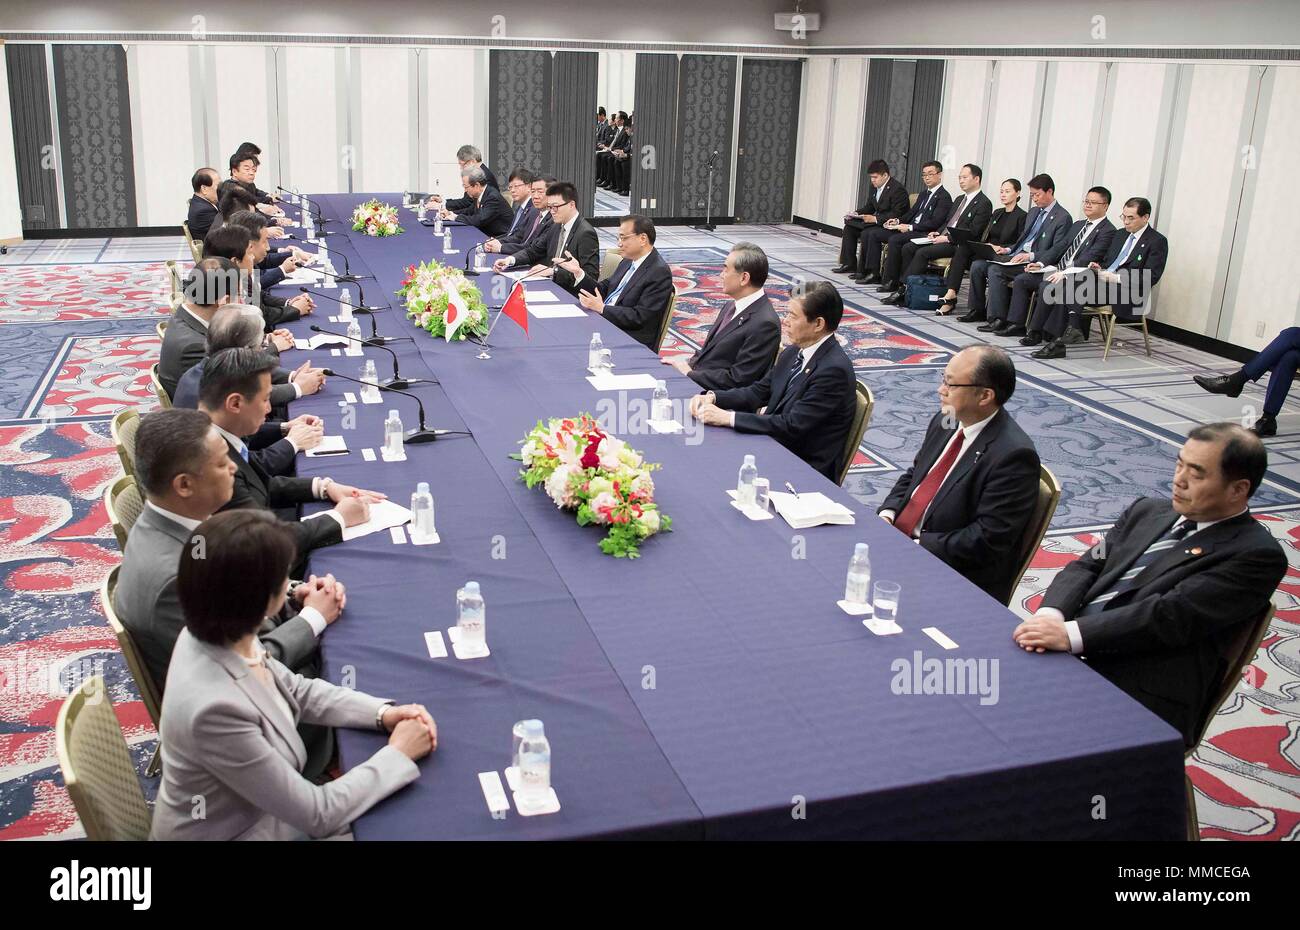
(811, 508)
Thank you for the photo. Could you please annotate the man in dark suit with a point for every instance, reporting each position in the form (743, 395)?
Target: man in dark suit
(234, 242)
(487, 209)
(209, 286)
(932, 208)
(536, 222)
(1122, 278)
(243, 172)
(203, 204)
(807, 401)
(970, 494)
(571, 236)
(522, 211)
(1044, 240)
(605, 154)
(971, 211)
(742, 343)
(235, 393)
(636, 296)
(603, 127)
(886, 201)
(622, 154)
(1088, 239)
(468, 157)
(1160, 605)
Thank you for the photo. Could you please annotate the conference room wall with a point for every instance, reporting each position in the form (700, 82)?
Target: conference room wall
(11, 214)
(453, 107)
(383, 115)
(616, 85)
(830, 134)
(168, 126)
(967, 85)
(1073, 94)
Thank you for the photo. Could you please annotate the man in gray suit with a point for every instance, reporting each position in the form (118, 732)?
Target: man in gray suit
(229, 724)
(210, 285)
(187, 475)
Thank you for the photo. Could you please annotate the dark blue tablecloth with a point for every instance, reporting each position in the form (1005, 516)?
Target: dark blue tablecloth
(773, 714)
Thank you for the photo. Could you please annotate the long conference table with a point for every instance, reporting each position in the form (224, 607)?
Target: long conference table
(711, 688)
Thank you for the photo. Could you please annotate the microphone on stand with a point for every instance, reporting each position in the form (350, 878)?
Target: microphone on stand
(470, 253)
(353, 280)
(396, 381)
(304, 199)
(422, 433)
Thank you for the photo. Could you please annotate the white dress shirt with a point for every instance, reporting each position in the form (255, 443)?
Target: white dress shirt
(969, 435)
(1088, 227)
(742, 304)
(1072, 626)
(808, 352)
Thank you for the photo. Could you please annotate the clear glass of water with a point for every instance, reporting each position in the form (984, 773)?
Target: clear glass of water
(762, 488)
(606, 360)
(884, 601)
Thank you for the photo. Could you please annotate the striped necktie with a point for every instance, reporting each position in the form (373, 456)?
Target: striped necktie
(1128, 581)
(1075, 246)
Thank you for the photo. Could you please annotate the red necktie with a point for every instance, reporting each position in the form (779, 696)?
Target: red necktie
(929, 487)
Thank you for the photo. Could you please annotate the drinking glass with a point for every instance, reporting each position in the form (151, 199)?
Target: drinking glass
(884, 601)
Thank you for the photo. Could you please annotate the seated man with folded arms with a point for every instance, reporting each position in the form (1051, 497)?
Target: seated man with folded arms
(742, 343)
(808, 399)
(535, 226)
(636, 296)
(235, 393)
(229, 718)
(1159, 606)
(243, 172)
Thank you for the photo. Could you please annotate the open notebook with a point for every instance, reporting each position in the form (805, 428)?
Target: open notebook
(811, 508)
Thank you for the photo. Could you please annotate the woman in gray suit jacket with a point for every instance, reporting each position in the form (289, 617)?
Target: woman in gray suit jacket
(232, 757)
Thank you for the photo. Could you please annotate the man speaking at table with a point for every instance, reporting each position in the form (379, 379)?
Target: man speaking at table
(570, 237)
(970, 494)
(1159, 605)
(637, 295)
(807, 400)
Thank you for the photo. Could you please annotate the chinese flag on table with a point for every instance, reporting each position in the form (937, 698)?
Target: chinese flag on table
(516, 308)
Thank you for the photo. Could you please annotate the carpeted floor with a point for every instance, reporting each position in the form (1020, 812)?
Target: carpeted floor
(75, 353)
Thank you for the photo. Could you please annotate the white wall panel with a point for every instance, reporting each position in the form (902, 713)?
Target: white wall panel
(1200, 198)
(850, 102)
(162, 114)
(1263, 262)
(242, 84)
(1066, 141)
(1132, 148)
(314, 132)
(615, 82)
(11, 217)
(814, 122)
(450, 110)
(1013, 121)
(961, 131)
(381, 118)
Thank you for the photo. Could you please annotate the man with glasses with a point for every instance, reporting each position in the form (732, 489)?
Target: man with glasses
(570, 237)
(1088, 239)
(537, 223)
(636, 296)
(929, 213)
(970, 494)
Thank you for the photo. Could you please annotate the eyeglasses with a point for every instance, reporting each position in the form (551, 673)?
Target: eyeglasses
(623, 237)
(1095, 203)
(556, 206)
(943, 380)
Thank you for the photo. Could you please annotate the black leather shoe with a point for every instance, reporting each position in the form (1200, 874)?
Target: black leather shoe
(1014, 330)
(992, 326)
(1054, 349)
(1032, 339)
(972, 316)
(1073, 336)
(1230, 385)
(842, 269)
(870, 277)
(859, 278)
(888, 286)
(1265, 426)
(894, 300)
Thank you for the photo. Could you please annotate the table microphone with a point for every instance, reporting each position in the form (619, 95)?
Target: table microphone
(355, 308)
(375, 339)
(304, 199)
(420, 434)
(396, 380)
(360, 291)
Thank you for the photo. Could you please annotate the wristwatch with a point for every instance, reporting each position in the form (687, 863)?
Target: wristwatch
(325, 488)
(379, 715)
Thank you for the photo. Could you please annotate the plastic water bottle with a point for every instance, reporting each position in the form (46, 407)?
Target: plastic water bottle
(857, 589)
(446, 239)
(471, 618)
(661, 406)
(394, 436)
(421, 211)
(308, 224)
(534, 767)
(593, 351)
(370, 392)
(345, 305)
(422, 528)
(745, 483)
(354, 343)
(406, 199)
(437, 227)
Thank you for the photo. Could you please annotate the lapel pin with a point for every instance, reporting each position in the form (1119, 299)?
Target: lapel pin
(1195, 550)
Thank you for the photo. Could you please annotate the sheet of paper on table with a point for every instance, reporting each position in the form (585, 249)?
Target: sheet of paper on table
(323, 339)
(329, 445)
(811, 508)
(383, 514)
(541, 297)
(303, 276)
(608, 382)
(556, 312)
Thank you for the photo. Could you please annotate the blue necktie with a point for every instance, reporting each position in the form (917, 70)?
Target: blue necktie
(518, 215)
(243, 453)
(798, 367)
(621, 284)
(1129, 580)
(1123, 255)
(1033, 231)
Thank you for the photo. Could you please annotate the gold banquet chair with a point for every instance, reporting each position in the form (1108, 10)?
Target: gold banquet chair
(97, 768)
(1243, 648)
(124, 503)
(865, 402)
(609, 264)
(1107, 321)
(135, 664)
(666, 321)
(174, 277)
(1049, 495)
(161, 328)
(123, 430)
(164, 399)
(196, 248)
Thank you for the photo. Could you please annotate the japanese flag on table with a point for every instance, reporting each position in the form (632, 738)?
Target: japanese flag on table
(516, 308)
(457, 310)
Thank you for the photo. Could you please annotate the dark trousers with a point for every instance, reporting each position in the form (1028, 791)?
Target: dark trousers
(899, 243)
(1282, 358)
(916, 258)
(869, 254)
(853, 230)
(604, 162)
(1026, 288)
(957, 267)
(622, 173)
(997, 289)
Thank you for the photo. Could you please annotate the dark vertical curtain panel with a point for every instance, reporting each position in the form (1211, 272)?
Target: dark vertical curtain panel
(904, 99)
(769, 124)
(706, 102)
(29, 108)
(923, 135)
(574, 116)
(519, 111)
(94, 112)
(654, 173)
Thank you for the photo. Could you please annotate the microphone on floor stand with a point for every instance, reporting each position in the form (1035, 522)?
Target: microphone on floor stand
(396, 381)
(375, 339)
(418, 435)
